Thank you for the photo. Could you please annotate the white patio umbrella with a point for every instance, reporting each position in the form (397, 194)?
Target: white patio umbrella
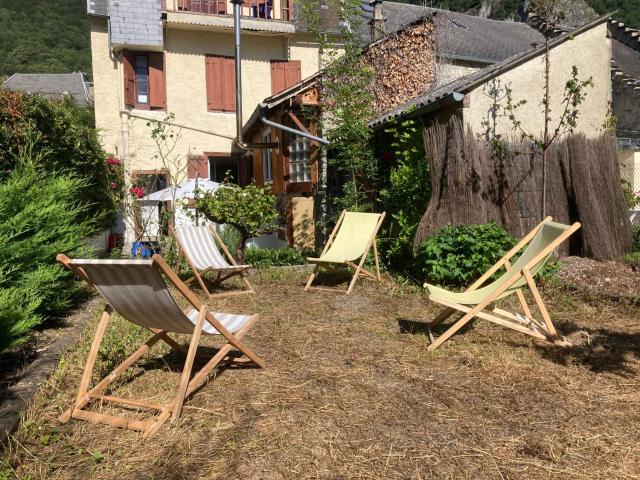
(186, 189)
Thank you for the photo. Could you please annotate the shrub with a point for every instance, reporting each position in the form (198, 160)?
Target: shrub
(251, 210)
(64, 137)
(636, 237)
(277, 257)
(40, 216)
(458, 255)
(409, 189)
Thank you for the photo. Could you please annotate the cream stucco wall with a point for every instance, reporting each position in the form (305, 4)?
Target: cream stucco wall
(200, 130)
(590, 52)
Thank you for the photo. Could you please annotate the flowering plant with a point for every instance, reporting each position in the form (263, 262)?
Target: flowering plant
(137, 192)
(113, 161)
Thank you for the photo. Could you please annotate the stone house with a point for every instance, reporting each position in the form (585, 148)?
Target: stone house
(53, 85)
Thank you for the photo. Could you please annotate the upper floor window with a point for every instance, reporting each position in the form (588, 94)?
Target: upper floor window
(221, 83)
(284, 74)
(144, 80)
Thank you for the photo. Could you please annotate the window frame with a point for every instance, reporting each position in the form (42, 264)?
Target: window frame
(267, 158)
(307, 161)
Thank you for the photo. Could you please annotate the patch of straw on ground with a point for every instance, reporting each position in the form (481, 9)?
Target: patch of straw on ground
(351, 392)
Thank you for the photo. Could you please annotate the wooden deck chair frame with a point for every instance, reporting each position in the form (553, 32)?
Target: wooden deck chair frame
(544, 330)
(358, 268)
(221, 277)
(86, 395)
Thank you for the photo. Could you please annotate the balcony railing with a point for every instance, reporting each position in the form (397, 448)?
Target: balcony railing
(264, 9)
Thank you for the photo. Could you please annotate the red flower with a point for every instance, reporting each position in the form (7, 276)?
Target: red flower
(113, 185)
(137, 192)
(113, 161)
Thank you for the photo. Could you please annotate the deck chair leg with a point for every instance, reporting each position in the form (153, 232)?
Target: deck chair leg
(375, 254)
(551, 329)
(452, 330)
(314, 274)
(188, 364)
(523, 303)
(91, 359)
(201, 282)
(246, 281)
(179, 261)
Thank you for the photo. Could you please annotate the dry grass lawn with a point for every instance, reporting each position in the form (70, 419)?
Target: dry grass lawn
(350, 391)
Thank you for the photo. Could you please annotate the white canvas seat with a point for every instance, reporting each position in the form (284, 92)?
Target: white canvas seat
(137, 291)
(198, 246)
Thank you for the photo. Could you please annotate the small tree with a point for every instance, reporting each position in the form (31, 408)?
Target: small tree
(251, 210)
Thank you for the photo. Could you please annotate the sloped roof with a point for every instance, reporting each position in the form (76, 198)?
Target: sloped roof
(459, 36)
(625, 51)
(454, 91)
(464, 36)
(98, 7)
(51, 85)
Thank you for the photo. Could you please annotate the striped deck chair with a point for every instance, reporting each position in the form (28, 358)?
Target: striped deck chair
(350, 240)
(198, 246)
(477, 300)
(137, 291)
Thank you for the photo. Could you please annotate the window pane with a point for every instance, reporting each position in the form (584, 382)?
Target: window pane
(142, 78)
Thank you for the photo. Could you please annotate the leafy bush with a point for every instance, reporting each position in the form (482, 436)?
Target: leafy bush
(631, 198)
(405, 199)
(636, 237)
(277, 257)
(459, 255)
(40, 216)
(65, 141)
(251, 210)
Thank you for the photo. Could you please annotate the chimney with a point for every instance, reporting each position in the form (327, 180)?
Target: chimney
(377, 21)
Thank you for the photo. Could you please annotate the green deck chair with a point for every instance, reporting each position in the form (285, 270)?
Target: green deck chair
(477, 301)
(350, 240)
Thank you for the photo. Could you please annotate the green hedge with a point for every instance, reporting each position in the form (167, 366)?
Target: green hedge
(40, 216)
(62, 138)
(277, 257)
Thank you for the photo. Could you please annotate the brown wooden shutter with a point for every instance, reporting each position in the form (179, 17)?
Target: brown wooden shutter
(129, 79)
(198, 165)
(284, 74)
(292, 73)
(229, 84)
(221, 83)
(157, 84)
(278, 81)
(214, 83)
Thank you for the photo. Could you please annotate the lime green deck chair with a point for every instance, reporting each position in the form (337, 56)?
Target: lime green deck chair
(477, 301)
(350, 240)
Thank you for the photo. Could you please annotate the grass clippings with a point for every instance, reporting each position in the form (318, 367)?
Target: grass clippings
(350, 391)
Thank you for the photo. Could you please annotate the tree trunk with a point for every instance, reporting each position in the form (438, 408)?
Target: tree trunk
(244, 236)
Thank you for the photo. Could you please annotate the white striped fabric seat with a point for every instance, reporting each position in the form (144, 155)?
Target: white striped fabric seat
(137, 291)
(201, 249)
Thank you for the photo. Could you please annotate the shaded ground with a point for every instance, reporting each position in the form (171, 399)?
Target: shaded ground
(347, 395)
(612, 279)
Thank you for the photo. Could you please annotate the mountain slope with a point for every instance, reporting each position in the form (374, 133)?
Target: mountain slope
(44, 36)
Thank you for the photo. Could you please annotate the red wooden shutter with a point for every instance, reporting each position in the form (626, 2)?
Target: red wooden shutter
(284, 74)
(229, 84)
(157, 84)
(278, 81)
(129, 79)
(214, 83)
(292, 73)
(198, 165)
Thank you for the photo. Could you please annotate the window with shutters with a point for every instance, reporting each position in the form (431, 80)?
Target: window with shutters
(284, 74)
(221, 83)
(144, 80)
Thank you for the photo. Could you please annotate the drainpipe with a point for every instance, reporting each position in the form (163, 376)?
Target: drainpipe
(237, 10)
(294, 131)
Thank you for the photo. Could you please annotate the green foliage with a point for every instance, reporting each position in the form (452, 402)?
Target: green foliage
(347, 106)
(636, 237)
(62, 138)
(405, 199)
(230, 237)
(44, 36)
(251, 210)
(633, 259)
(277, 257)
(40, 216)
(458, 255)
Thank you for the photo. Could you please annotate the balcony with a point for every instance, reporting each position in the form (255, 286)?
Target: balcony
(258, 15)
